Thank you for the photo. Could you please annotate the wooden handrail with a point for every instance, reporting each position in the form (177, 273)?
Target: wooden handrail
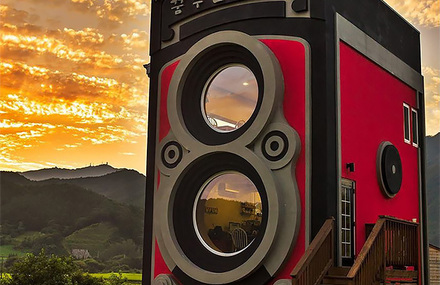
(401, 238)
(401, 221)
(371, 259)
(317, 259)
(391, 243)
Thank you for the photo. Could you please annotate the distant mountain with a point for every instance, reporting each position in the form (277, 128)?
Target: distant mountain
(64, 208)
(124, 186)
(433, 187)
(63, 173)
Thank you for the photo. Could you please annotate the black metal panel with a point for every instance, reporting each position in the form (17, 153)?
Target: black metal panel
(155, 31)
(150, 185)
(383, 24)
(234, 14)
(423, 202)
(174, 11)
(299, 5)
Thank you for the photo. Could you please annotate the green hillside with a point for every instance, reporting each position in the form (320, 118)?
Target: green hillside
(95, 238)
(61, 217)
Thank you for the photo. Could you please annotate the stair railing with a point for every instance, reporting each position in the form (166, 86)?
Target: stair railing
(401, 240)
(391, 242)
(318, 257)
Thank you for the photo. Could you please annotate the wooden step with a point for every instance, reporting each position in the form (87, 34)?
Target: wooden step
(339, 280)
(338, 276)
(338, 271)
(401, 276)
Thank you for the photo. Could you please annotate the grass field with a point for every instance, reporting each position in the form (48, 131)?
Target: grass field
(94, 238)
(130, 276)
(30, 235)
(6, 250)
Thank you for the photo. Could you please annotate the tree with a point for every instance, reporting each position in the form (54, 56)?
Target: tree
(42, 269)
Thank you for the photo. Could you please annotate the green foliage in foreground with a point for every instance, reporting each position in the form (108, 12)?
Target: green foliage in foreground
(42, 269)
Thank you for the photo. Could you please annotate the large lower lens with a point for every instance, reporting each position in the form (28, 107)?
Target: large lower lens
(228, 213)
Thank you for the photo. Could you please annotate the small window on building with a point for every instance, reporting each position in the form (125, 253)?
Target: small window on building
(415, 129)
(406, 132)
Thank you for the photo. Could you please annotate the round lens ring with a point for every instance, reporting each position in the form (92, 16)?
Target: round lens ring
(227, 213)
(230, 98)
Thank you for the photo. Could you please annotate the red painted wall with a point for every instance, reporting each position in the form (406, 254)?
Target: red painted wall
(291, 56)
(160, 266)
(372, 112)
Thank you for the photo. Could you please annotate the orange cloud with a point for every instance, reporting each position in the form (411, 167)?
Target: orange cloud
(421, 12)
(135, 40)
(71, 94)
(432, 99)
(13, 45)
(112, 13)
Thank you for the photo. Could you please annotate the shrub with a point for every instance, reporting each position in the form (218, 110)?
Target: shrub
(42, 269)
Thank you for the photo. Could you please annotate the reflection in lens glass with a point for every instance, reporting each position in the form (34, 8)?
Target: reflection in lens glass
(230, 98)
(228, 213)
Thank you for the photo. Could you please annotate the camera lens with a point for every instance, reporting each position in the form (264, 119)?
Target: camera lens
(230, 98)
(228, 213)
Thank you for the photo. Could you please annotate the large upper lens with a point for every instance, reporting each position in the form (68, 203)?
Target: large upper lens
(230, 98)
(228, 213)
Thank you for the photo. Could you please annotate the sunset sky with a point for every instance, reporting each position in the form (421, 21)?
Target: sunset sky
(73, 90)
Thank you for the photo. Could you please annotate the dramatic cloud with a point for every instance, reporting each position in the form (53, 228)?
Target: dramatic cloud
(421, 12)
(432, 100)
(135, 40)
(109, 13)
(14, 45)
(70, 86)
(14, 16)
(73, 94)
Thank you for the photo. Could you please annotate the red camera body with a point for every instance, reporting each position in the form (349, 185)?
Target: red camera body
(268, 118)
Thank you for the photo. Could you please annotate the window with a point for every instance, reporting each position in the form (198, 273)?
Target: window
(406, 124)
(415, 129)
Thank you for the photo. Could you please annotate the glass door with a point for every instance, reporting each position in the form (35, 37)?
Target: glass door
(347, 227)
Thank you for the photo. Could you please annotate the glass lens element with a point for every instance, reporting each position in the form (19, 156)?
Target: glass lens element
(228, 213)
(230, 98)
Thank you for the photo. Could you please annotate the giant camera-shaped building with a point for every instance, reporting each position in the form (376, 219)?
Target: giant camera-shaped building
(268, 117)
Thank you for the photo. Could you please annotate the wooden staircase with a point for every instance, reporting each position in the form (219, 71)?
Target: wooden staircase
(389, 256)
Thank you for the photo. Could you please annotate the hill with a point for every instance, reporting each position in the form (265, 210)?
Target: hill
(36, 215)
(38, 206)
(124, 186)
(433, 187)
(63, 173)
(14, 177)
